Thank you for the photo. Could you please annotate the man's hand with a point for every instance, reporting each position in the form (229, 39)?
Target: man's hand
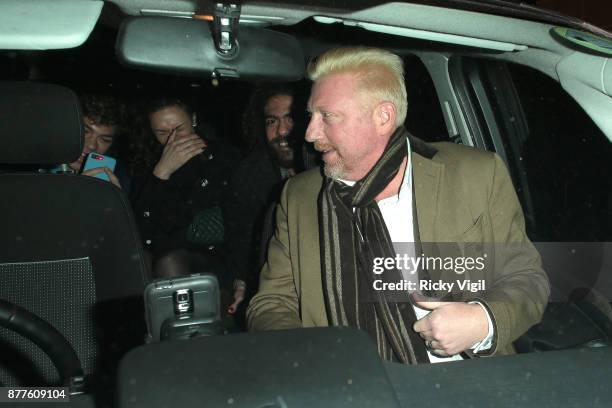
(111, 176)
(176, 153)
(451, 327)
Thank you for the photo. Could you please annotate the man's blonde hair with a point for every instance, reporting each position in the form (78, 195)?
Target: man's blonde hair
(380, 74)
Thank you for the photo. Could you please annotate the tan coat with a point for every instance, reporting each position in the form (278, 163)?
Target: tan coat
(463, 195)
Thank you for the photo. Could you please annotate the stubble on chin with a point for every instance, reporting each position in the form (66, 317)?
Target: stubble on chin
(335, 171)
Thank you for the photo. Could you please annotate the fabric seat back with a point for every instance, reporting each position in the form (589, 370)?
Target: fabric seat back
(70, 251)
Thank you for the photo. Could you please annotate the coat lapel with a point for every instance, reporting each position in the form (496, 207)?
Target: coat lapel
(426, 179)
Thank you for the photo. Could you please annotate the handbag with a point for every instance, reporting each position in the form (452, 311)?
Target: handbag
(206, 228)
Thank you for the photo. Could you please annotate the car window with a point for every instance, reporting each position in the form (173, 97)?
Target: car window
(564, 155)
(424, 118)
(555, 153)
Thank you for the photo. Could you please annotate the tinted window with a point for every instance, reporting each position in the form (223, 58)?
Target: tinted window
(567, 161)
(559, 159)
(424, 118)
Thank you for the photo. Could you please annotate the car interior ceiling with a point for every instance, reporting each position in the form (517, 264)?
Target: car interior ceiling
(110, 306)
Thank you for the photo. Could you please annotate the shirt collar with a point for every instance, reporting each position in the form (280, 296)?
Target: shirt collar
(406, 179)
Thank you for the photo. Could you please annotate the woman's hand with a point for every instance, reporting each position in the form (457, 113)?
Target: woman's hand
(177, 152)
(239, 291)
(111, 176)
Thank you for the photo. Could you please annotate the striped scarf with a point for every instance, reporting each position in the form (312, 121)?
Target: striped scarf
(352, 234)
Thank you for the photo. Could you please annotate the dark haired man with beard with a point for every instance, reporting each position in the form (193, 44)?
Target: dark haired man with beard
(279, 125)
(270, 133)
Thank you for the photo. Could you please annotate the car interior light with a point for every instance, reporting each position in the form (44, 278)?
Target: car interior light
(203, 17)
(426, 35)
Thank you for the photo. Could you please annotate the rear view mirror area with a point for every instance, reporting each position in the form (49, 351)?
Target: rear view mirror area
(187, 47)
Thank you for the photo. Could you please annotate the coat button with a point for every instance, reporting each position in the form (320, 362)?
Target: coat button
(204, 183)
(211, 156)
(148, 242)
(146, 214)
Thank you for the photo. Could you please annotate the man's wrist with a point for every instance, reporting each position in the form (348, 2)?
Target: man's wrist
(487, 342)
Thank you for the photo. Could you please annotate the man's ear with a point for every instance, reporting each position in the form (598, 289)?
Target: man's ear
(384, 116)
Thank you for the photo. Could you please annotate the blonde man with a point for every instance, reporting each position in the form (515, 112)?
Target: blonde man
(381, 186)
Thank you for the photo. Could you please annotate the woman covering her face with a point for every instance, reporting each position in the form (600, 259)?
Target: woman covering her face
(179, 177)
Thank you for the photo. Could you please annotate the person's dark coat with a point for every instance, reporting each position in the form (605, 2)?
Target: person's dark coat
(164, 209)
(254, 188)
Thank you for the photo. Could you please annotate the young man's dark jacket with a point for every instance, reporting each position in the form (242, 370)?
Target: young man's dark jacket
(255, 186)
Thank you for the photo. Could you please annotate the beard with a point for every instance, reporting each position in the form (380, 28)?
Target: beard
(283, 155)
(335, 170)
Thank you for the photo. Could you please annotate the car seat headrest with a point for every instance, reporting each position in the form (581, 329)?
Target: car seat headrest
(41, 124)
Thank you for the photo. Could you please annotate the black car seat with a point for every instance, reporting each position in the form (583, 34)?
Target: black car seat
(70, 252)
